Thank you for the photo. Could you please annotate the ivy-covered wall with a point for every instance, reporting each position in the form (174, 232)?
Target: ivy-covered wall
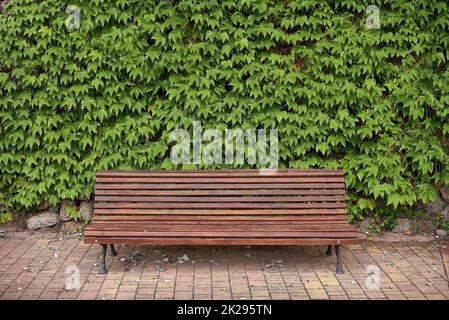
(107, 95)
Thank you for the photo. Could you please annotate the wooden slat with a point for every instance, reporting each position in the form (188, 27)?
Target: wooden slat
(222, 234)
(226, 219)
(259, 212)
(217, 241)
(255, 192)
(217, 224)
(216, 205)
(222, 173)
(335, 227)
(214, 180)
(217, 199)
(146, 186)
(224, 223)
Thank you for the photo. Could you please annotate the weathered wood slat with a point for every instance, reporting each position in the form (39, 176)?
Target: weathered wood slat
(214, 180)
(222, 234)
(238, 225)
(221, 241)
(257, 212)
(183, 186)
(216, 205)
(222, 173)
(335, 229)
(236, 219)
(217, 199)
(224, 193)
(169, 225)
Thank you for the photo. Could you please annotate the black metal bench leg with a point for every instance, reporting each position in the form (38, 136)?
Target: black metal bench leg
(113, 252)
(102, 269)
(339, 269)
(329, 250)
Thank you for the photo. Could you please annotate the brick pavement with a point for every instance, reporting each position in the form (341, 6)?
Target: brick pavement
(37, 266)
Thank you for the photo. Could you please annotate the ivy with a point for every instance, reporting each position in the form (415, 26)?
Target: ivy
(107, 95)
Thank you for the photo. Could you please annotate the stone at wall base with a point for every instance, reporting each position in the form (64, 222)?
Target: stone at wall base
(63, 216)
(42, 220)
(86, 210)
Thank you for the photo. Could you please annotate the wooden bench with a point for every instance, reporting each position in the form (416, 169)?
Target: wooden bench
(228, 207)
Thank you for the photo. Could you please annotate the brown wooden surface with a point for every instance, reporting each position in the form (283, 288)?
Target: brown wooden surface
(254, 192)
(219, 180)
(229, 207)
(211, 212)
(218, 199)
(221, 241)
(219, 173)
(208, 218)
(189, 186)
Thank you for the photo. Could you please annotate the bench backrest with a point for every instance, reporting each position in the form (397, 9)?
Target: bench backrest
(238, 194)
